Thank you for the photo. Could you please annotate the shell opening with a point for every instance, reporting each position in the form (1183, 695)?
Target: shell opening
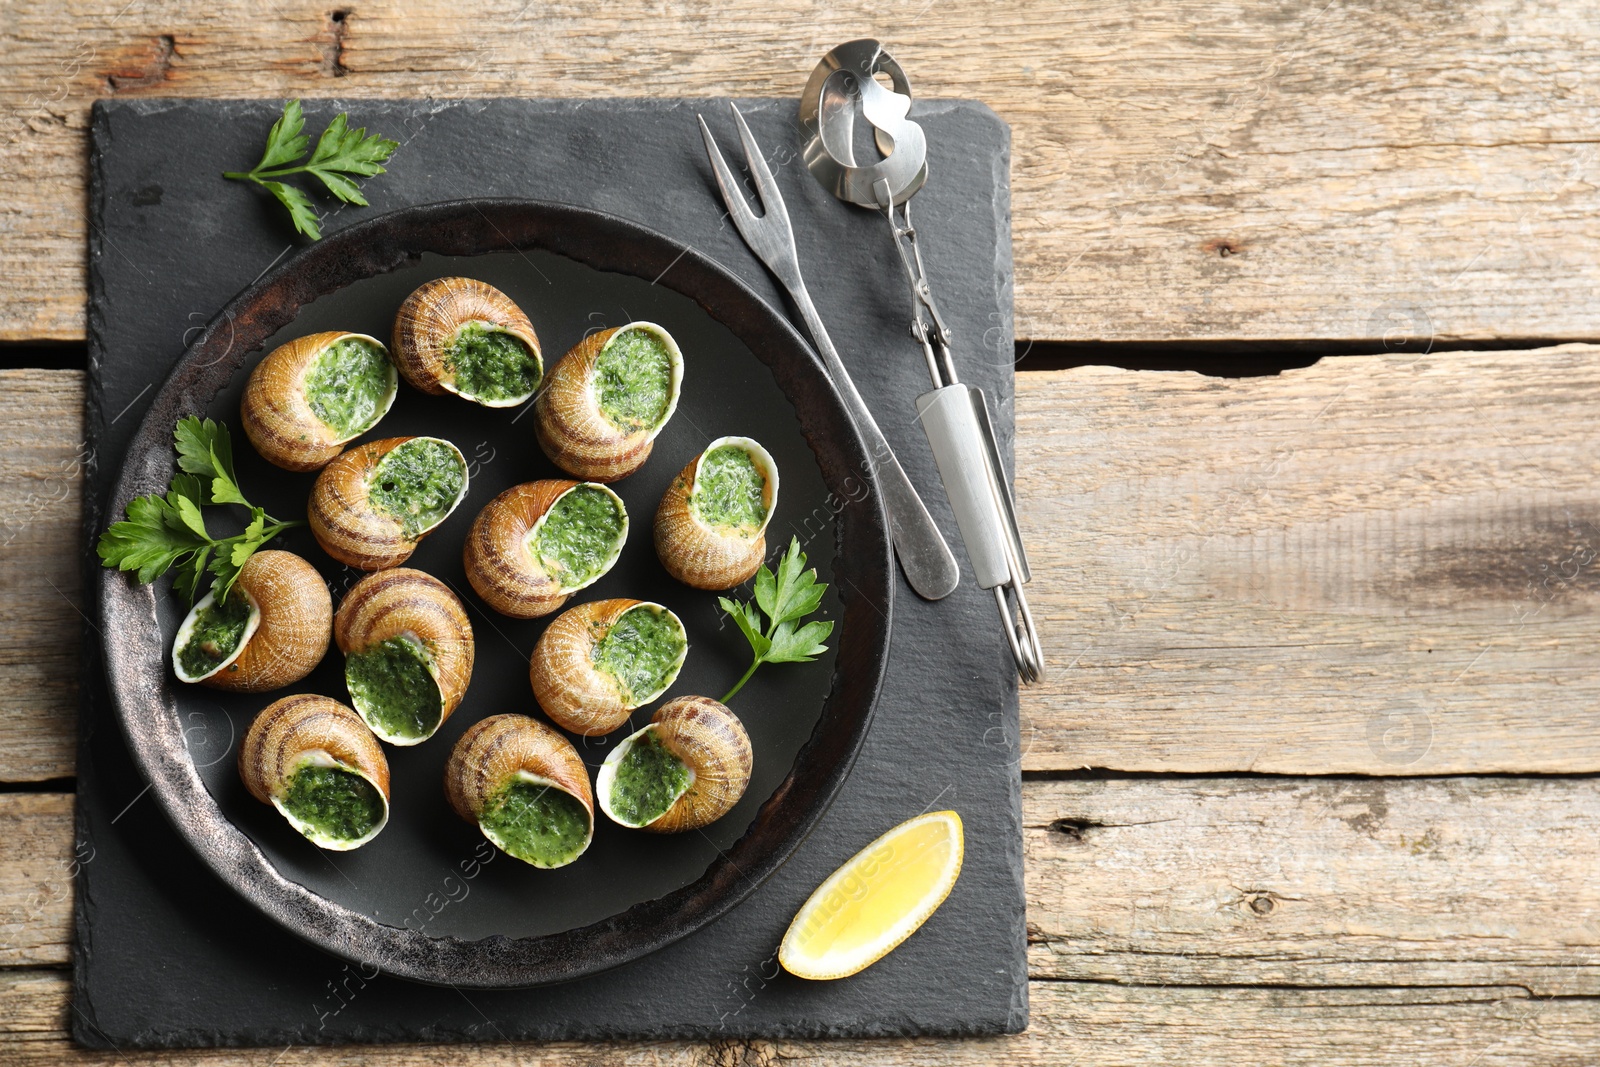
(537, 821)
(637, 378)
(394, 685)
(641, 780)
(210, 638)
(419, 483)
(735, 486)
(332, 804)
(580, 536)
(351, 385)
(643, 650)
(492, 365)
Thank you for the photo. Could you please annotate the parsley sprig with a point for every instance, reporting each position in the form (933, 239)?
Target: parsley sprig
(341, 156)
(785, 598)
(163, 532)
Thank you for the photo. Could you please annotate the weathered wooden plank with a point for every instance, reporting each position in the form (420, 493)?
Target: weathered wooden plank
(1373, 565)
(1466, 882)
(38, 862)
(1376, 564)
(1316, 882)
(1291, 169)
(40, 530)
(1082, 1024)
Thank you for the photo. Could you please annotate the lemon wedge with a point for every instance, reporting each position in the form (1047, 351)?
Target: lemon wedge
(876, 900)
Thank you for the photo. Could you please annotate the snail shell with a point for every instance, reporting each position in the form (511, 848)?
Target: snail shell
(501, 565)
(286, 636)
(427, 325)
(706, 738)
(573, 431)
(350, 526)
(502, 750)
(699, 553)
(279, 419)
(420, 610)
(576, 691)
(307, 730)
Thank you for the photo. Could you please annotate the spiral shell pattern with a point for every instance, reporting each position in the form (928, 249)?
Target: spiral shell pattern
(568, 422)
(278, 419)
(294, 618)
(705, 556)
(499, 564)
(402, 602)
(570, 688)
(431, 315)
(711, 742)
(290, 732)
(497, 750)
(346, 523)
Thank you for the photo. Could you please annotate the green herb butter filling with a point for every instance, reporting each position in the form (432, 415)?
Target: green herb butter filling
(218, 629)
(633, 380)
(418, 483)
(729, 489)
(648, 780)
(350, 385)
(333, 803)
(580, 535)
(393, 690)
(536, 823)
(642, 651)
(491, 364)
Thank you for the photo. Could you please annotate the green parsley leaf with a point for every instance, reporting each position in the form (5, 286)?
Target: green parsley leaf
(193, 440)
(164, 533)
(301, 213)
(790, 645)
(785, 597)
(188, 513)
(341, 156)
(150, 540)
(187, 583)
(285, 142)
(749, 623)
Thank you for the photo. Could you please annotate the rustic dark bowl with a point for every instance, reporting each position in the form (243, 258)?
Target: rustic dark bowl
(244, 844)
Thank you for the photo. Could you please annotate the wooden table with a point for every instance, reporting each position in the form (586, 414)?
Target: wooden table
(1311, 780)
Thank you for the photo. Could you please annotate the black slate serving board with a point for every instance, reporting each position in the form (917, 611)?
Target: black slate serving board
(166, 956)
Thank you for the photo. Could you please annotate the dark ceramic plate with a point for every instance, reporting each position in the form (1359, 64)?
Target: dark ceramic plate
(430, 899)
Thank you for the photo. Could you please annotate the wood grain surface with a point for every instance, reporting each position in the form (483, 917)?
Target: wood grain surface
(1324, 639)
(1187, 170)
(1075, 1024)
(1376, 565)
(1445, 918)
(1255, 880)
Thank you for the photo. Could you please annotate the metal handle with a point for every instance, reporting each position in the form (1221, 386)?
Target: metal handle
(929, 565)
(963, 445)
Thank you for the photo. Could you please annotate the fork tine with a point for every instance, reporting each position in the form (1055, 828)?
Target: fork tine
(766, 185)
(738, 208)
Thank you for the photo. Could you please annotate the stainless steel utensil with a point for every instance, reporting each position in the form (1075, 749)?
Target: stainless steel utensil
(954, 416)
(927, 561)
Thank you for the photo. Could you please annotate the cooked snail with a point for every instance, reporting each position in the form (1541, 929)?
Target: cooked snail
(710, 529)
(537, 543)
(604, 403)
(598, 661)
(458, 335)
(310, 396)
(316, 762)
(524, 785)
(371, 506)
(408, 652)
(685, 770)
(270, 631)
